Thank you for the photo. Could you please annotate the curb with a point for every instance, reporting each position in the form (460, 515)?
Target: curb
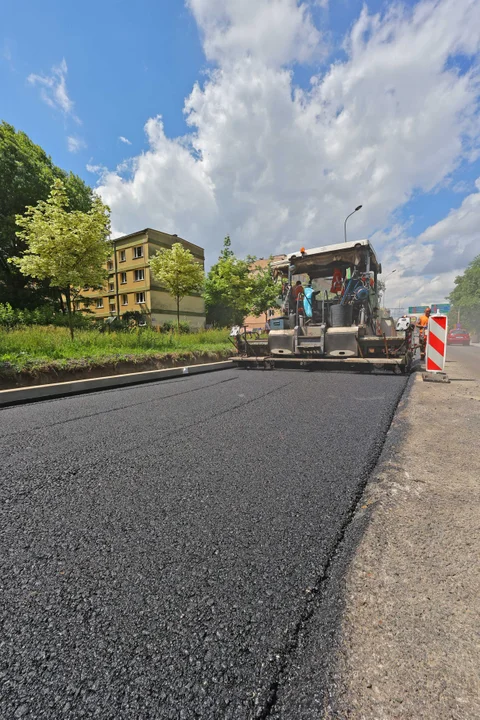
(35, 393)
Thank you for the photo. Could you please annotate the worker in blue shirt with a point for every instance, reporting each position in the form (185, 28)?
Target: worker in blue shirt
(308, 294)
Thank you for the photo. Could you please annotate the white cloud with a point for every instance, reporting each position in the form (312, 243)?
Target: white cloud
(462, 186)
(278, 167)
(75, 144)
(53, 89)
(7, 52)
(455, 239)
(124, 140)
(96, 169)
(168, 187)
(427, 265)
(274, 31)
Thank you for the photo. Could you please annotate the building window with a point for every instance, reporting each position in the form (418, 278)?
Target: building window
(77, 304)
(112, 309)
(124, 299)
(138, 252)
(111, 287)
(140, 298)
(124, 278)
(139, 275)
(99, 303)
(110, 265)
(123, 255)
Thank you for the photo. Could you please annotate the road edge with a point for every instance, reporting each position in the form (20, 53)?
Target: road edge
(381, 674)
(36, 393)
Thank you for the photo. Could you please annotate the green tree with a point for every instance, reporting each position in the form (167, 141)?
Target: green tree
(67, 248)
(26, 176)
(179, 273)
(265, 291)
(465, 298)
(228, 288)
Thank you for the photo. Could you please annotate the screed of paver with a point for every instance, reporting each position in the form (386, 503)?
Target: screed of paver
(410, 645)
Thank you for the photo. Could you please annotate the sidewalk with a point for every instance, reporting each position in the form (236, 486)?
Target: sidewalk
(410, 643)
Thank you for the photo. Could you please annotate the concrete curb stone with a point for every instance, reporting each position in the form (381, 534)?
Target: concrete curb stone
(63, 389)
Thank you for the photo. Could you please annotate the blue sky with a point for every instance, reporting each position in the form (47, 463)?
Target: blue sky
(232, 156)
(134, 60)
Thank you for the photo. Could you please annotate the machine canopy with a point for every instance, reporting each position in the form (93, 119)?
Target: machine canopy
(320, 262)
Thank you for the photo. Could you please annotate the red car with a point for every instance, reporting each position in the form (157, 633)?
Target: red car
(458, 337)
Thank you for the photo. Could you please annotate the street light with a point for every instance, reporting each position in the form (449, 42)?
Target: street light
(385, 286)
(345, 223)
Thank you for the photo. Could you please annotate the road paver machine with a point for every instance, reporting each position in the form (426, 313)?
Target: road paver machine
(331, 316)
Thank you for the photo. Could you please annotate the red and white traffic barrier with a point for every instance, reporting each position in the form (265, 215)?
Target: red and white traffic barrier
(436, 343)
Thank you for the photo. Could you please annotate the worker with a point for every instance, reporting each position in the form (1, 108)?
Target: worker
(423, 320)
(422, 326)
(308, 300)
(337, 281)
(297, 294)
(297, 290)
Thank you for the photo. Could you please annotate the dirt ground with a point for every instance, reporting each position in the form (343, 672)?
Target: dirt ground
(411, 630)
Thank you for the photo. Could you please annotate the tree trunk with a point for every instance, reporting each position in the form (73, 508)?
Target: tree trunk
(68, 298)
(62, 304)
(178, 313)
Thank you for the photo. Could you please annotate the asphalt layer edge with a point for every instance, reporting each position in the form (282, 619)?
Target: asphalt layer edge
(345, 543)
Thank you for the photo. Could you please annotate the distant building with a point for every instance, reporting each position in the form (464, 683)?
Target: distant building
(259, 322)
(131, 286)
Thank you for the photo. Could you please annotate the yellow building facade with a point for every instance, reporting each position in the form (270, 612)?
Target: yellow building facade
(131, 286)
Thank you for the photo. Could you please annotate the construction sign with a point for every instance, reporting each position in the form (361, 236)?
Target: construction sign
(443, 308)
(436, 343)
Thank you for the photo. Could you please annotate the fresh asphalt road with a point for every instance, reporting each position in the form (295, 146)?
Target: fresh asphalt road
(469, 357)
(160, 543)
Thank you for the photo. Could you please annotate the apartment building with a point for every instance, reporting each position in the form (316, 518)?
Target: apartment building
(131, 286)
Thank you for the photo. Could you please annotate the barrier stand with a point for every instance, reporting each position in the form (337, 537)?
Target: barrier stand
(436, 349)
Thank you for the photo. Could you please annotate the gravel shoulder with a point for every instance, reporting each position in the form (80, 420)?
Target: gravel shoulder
(409, 640)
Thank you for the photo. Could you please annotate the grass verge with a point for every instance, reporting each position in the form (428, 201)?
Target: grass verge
(33, 350)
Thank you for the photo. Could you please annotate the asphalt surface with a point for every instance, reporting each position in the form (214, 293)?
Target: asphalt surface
(161, 546)
(467, 357)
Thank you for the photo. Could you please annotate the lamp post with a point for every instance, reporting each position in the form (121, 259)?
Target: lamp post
(345, 223)
(385, 286)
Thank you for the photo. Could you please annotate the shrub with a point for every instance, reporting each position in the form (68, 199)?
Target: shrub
(168, 326)
(134, 317)
(44, 315)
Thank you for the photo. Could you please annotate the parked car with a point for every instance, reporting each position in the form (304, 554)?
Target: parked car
(458, 337)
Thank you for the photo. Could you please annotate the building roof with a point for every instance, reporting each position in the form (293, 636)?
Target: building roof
(147, 231)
